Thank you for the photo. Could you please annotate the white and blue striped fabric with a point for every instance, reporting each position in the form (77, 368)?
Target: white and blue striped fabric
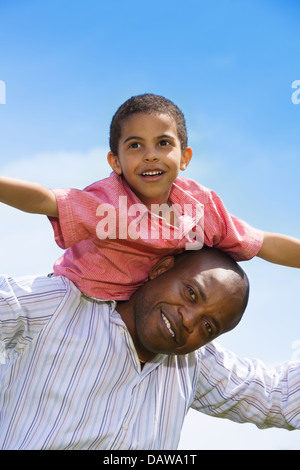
(70, 378)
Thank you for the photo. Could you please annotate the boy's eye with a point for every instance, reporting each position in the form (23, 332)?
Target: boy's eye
(135, 145)
(164, 143)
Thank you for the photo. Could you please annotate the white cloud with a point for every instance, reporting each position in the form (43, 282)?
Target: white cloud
(60, 169)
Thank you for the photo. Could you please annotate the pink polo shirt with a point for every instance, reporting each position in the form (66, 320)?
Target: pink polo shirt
(112, 240)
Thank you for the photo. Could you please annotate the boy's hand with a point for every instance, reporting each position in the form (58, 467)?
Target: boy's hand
(280, 249)
(28, 197)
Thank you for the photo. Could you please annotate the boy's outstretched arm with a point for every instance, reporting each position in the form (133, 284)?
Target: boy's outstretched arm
(28, 197)
(280, 249)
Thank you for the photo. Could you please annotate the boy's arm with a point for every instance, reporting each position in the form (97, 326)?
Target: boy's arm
(280, 249)
(28, 197)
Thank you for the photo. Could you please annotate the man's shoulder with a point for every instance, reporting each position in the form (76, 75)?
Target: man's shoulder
(41, 286)
(213, 355)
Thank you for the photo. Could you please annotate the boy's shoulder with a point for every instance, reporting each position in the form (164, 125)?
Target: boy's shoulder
(110, 188)
(195, 189)
(110, 180)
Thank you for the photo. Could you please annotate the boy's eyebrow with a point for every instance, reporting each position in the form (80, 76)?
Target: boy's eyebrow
(132, 137)
(168, 136)
(136, 137)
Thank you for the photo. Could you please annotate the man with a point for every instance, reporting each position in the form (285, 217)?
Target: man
(82, 374)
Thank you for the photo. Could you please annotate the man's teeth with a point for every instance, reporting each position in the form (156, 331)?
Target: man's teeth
(152, 173)
(168, 325)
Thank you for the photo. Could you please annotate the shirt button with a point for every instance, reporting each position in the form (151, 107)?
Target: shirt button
(125, 427)
(122, 331)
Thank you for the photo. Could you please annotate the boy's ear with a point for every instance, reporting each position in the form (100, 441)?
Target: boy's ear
(186, 158)
(161, 267)
(114, 162)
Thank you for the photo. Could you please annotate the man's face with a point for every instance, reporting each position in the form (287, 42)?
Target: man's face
(150, 156)
(186, 307)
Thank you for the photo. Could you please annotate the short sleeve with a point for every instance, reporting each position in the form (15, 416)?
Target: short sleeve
(76, 216)
(229, 233)
(221, 229)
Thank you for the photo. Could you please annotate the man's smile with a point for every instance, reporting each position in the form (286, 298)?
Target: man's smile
(172, 327)
(168, 325)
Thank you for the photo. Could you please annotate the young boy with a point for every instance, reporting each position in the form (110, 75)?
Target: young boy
(118, 228)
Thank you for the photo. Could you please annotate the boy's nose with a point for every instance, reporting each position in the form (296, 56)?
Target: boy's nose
(150, 157)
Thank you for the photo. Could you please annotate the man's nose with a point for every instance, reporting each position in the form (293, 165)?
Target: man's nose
(188, 319)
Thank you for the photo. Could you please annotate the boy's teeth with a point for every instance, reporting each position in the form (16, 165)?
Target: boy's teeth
(151, 173)
(168, 325)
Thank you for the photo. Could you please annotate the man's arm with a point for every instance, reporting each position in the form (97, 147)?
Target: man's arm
(280, 249)
(245, 391)
(28, 197)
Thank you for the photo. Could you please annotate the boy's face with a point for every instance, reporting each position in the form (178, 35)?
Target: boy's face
(150, 156)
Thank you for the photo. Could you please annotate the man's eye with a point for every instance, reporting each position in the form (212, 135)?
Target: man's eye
(209, 328)
(164, 143)
(192, 293)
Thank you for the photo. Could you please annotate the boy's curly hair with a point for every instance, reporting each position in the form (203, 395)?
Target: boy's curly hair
(146, 104)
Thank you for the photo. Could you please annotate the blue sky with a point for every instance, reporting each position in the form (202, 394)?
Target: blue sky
(229, 65)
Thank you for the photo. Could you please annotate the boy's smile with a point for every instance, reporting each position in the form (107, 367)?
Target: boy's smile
(150, 156)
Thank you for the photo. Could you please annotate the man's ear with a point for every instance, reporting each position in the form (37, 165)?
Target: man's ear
(186, 158)
(161, 267)
(114, 162)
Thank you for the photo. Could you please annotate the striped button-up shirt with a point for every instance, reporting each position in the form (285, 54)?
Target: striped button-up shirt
(70, 377)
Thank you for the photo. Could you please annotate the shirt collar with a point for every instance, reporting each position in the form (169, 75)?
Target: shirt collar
(190, 208)
(117, 320)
